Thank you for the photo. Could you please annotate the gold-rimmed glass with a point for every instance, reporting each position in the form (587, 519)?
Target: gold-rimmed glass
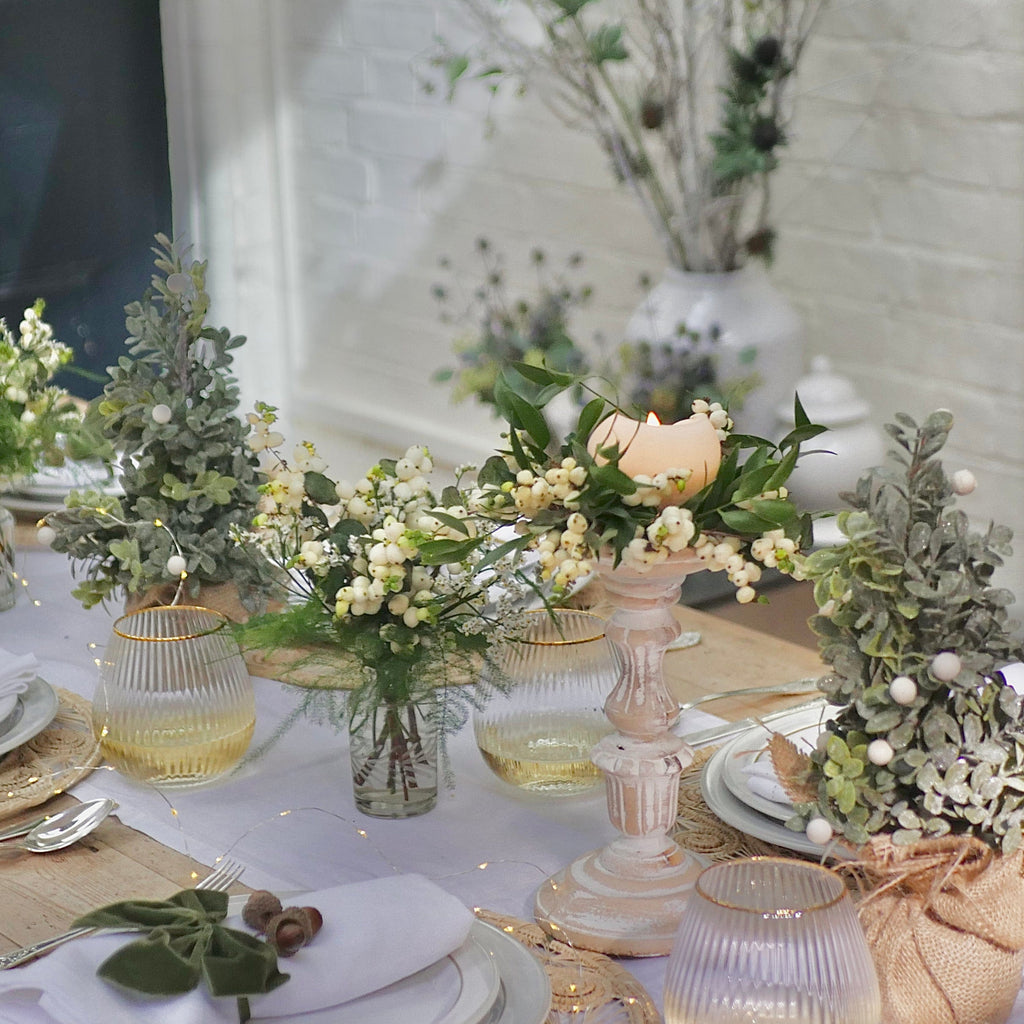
(538, 736)
(174, 703)
(770, 939)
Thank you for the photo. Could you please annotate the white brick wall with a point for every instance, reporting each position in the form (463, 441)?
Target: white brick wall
(903, 223)
(900, 207)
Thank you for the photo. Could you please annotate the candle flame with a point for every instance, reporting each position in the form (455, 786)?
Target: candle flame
(653, 420)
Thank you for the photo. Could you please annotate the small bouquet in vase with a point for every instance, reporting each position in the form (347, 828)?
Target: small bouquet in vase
(391, 586)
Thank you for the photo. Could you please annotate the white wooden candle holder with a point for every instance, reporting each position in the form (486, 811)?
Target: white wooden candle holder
(626, 899)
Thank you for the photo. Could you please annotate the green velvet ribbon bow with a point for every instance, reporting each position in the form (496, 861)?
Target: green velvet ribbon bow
(185, 944)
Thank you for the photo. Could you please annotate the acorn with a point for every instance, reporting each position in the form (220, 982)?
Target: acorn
(260, 908)
(293, 928)
(316, 919)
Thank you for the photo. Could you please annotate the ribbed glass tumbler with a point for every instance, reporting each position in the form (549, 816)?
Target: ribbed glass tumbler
(174, 703)
(770, 939)
(539, 734)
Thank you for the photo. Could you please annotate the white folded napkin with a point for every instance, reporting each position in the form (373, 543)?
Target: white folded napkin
(16, 672)
(374, 933)
(769, 788)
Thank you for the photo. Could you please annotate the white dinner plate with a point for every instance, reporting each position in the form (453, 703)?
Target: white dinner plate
(8, 705)
(525, 987)
(34, 505)
(460, 989)
(56, 481)
(23, 506)
(750, 748)
(753, 823)
(491, 979)
(38, 706)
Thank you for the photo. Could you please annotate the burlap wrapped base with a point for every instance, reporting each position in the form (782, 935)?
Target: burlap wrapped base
(218, 597)
(944, 919)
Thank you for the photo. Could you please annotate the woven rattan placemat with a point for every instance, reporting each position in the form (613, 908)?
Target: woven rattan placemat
(700, 830)
(584, 986)
(52, 761)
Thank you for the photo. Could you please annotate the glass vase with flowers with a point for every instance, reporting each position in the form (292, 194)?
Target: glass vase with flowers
(394, 582)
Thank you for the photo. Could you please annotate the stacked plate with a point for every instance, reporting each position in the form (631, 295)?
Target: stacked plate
(26, 714)
(44, 491)
(491, 979)
(739, 784)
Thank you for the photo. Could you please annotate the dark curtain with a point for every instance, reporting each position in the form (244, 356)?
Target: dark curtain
(84, 178)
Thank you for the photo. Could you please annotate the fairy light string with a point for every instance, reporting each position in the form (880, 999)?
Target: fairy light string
(177, 564)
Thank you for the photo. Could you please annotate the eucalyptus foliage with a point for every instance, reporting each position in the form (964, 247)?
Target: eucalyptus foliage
(912, 581)
(168, 411)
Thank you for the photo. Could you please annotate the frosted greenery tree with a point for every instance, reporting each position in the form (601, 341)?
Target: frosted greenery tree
(169, 411)
(929, 740)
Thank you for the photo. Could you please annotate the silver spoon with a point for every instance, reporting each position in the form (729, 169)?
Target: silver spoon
(66, 827)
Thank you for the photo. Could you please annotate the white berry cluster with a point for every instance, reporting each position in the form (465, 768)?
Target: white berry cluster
(377, 495)
(261, 437)
(383, 582)
(564, 555)
(566, 551)
(34, 410)
(729, 554)
(715, 412)
(559, 485)
(31, 359)
(671, 532)
(396, 511)
(655, 491)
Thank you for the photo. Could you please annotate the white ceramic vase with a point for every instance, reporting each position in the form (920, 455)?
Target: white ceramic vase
(746, 325)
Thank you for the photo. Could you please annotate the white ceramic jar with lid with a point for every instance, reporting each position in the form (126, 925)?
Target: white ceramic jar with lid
(851, 445)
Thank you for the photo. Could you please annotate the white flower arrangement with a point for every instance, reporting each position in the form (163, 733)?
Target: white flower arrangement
(34, 413)
(382, 567)
(578, 505)
(689, 101)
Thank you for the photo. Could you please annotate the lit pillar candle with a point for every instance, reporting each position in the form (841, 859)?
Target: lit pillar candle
(653, 447)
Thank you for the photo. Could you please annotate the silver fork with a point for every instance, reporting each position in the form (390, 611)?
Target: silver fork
(224, 875)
